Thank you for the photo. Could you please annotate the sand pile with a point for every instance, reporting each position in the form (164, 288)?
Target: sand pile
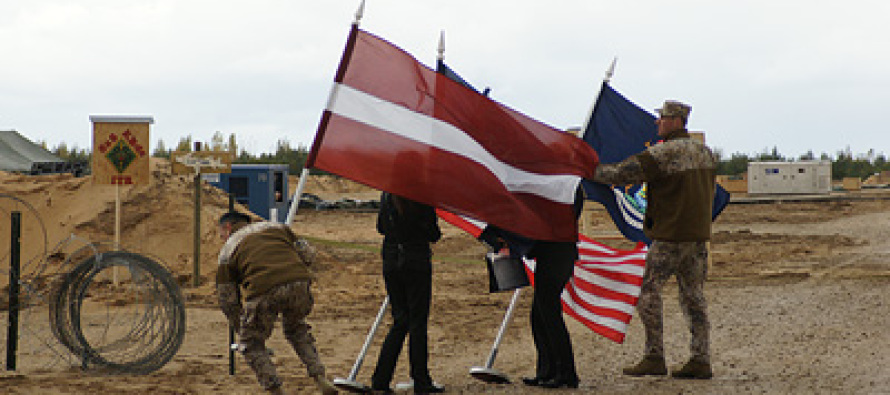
(156, 219)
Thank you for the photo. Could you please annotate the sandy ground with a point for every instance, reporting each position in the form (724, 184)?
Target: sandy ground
(797, 292)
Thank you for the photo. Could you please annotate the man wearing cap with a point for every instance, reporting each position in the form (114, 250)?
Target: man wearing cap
(680, 173)
(272, 266)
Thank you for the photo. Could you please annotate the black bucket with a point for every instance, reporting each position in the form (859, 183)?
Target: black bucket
(505, 273)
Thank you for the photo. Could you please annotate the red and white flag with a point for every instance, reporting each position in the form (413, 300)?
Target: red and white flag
(604, 288)
(396, 125)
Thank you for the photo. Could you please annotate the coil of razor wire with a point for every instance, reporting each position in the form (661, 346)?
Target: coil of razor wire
(119, 312)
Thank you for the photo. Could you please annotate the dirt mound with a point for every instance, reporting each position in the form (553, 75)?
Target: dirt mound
(796, 294)
(330, 187)
(156, 219)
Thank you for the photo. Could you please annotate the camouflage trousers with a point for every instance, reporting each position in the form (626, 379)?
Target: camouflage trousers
(294, 302)
(689, 262)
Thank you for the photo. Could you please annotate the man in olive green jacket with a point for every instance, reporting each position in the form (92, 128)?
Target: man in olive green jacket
(271, 265)
(680, 178)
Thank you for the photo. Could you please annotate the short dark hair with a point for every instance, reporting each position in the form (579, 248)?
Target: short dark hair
(234, 217)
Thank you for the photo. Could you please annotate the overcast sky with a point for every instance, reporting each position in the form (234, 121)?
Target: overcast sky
(797, 75)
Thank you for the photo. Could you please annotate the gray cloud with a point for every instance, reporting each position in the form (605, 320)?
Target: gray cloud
(798, 75)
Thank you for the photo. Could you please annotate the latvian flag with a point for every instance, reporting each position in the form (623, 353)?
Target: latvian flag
(399, 126)
(604, 288)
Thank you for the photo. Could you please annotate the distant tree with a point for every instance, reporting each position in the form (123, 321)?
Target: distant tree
(244, 157)
(233, 146)
(768, 156)
(808, 156)
(881, 162)
(79, 154)
(161, 150)
(217, 142)
(185, 144)
(72, 154)
(735, 165)
(61, 150)
(284, 153)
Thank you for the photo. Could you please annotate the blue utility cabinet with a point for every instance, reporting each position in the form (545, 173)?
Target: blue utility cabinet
(260, 187)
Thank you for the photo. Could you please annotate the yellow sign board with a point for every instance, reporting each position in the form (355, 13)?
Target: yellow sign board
(120, 150)
(201, 162)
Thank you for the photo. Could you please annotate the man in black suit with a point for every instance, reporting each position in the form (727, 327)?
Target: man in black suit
(408, 229)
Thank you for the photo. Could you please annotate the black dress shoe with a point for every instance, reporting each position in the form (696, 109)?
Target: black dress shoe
(559, 383)
(534, 381)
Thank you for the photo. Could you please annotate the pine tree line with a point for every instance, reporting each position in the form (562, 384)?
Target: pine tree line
(843, 164)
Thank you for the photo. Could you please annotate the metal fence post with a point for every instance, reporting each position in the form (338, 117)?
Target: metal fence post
(231, 327)
(14, 269)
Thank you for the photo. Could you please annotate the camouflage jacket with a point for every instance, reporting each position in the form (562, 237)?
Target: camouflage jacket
(257, 257)
(680, 177)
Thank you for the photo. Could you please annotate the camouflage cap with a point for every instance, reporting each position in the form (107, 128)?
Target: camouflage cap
(673, 108)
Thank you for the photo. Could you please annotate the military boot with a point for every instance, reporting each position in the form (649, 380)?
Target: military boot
(693, 370)
(324, 385)
(651, 365)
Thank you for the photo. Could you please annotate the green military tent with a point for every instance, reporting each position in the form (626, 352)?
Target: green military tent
(18, 154)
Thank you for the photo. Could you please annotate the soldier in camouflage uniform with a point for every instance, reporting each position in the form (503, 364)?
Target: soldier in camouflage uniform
(680, 173)
(271, 265)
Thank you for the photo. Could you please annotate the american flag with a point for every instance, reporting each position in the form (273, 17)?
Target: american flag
(604, 288)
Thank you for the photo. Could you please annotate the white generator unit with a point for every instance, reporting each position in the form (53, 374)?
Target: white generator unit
(806, 177)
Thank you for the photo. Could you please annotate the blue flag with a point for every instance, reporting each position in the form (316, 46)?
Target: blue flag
(443, 69)
(619, 129)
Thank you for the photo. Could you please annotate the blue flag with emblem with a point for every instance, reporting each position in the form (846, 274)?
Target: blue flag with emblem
(618, 129)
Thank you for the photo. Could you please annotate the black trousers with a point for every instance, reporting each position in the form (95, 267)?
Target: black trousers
(409, 293)
(554, 267)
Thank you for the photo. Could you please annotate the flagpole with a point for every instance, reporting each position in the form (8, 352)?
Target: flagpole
(359, 13)
(487, 373)
(295, 200)
(350, 383)
(609, 72)
(338, 78)
(326, 116)
(441, 56)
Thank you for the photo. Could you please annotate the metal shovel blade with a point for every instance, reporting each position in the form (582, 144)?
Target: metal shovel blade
(351, 386)
(489, 375)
